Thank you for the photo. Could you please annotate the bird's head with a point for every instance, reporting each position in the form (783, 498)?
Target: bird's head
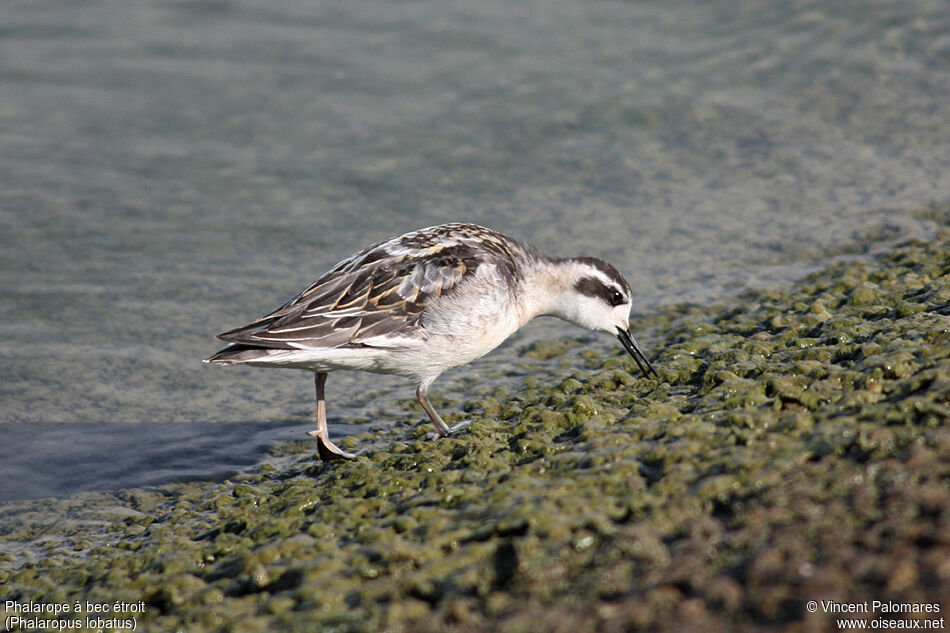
(595, 296)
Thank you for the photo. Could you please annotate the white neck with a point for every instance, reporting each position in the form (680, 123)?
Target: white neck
(543, 287)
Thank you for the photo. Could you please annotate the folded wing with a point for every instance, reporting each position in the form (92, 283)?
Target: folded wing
(375, 298)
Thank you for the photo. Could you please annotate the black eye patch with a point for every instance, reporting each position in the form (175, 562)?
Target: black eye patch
(595, 288)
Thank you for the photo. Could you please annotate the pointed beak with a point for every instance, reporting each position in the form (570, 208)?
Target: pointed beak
(630, 344)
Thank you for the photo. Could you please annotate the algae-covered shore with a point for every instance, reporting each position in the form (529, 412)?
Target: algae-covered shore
(795, 448)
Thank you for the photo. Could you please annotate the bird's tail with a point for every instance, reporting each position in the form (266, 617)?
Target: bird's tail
(237, 354)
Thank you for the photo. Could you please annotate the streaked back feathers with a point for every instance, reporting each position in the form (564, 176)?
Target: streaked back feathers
(379, 295)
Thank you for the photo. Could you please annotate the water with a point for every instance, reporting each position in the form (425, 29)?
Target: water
(135, 455)
(169, 170)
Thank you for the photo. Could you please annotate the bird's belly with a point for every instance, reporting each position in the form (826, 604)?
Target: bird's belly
(326, 359)
(455, 343)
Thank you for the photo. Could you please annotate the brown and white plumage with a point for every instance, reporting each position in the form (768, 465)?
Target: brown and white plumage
(424, 302)
(378, 296)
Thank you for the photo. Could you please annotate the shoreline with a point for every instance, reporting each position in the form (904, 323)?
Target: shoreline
(796, 448)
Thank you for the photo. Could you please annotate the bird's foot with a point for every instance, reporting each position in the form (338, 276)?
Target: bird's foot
(458, 427)
(330, 452)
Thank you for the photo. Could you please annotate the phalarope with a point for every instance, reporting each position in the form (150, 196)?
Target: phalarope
(427, 301)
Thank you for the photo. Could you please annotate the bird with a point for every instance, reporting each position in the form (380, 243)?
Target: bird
(425, 302)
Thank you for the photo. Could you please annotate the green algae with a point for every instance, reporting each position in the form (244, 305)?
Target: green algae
(795, 447)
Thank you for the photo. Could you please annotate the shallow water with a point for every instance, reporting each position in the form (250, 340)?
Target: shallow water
(171, 170)
(36, 455)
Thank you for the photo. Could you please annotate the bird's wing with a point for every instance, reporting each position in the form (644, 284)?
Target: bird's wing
(374, 298)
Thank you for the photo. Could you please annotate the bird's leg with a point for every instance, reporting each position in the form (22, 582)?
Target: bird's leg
(441, 428)
(328, 450)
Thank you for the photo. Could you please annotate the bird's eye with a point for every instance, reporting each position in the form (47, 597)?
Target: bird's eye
(616, 298)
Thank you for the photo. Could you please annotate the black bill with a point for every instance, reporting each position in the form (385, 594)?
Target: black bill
(630, 344)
